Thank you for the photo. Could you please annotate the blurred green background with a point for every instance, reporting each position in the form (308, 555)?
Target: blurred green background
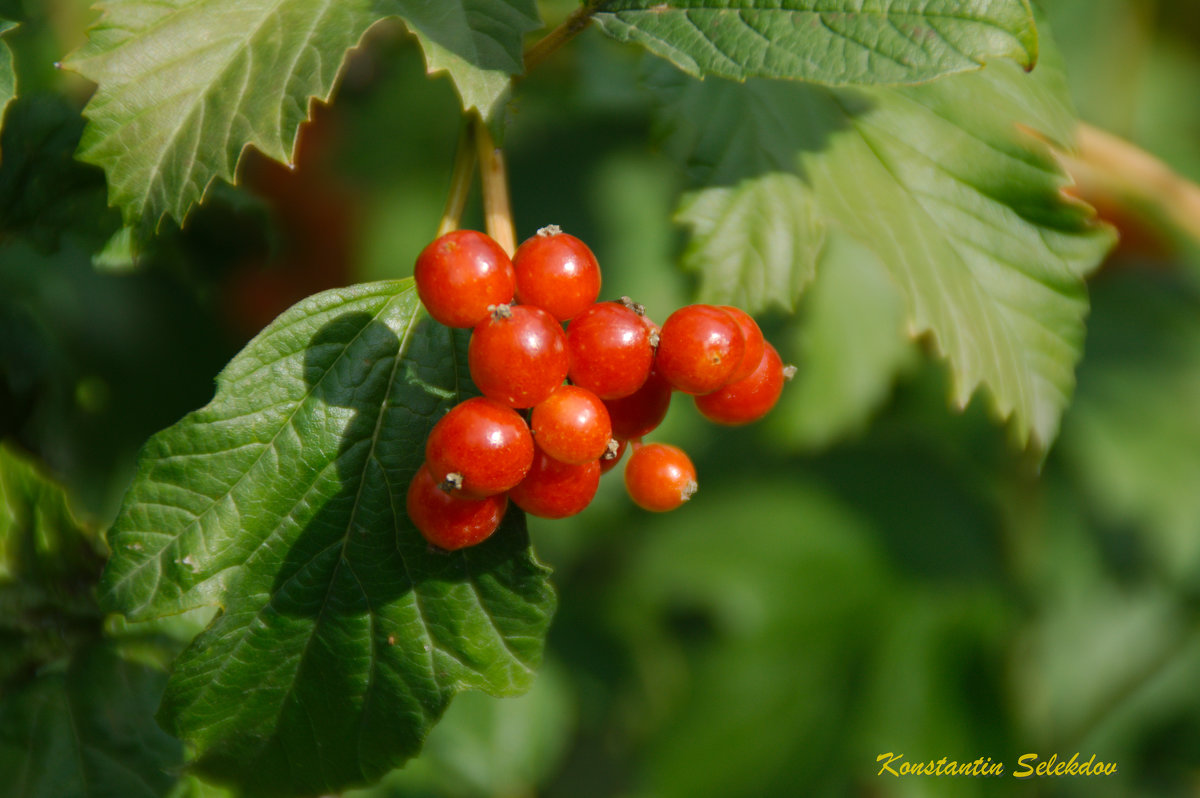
(867, 571)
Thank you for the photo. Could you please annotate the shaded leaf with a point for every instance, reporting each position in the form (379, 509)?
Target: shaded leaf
(342, 635)
(185, 85)
(88, 732)
(964, 211)
(837, 43)
(8, 77)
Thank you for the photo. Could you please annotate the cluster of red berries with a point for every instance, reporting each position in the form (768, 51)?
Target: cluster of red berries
(584, 393)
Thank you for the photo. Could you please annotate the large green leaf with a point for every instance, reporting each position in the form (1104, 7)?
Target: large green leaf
(185, 85)
(342, 635)
(963, 209)
(843, 42)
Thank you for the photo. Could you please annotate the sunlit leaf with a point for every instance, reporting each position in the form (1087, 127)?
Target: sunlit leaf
(837, 43)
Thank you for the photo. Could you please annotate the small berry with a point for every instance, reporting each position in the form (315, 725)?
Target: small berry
(699, 349)
(450, 522)
(753, 338)
(479, 448)
(643, 410)
(611, 352)
(571, 425)
(748, 399)
(553, 489)
(659, 477)
(518, 355)
(462, 273)
(557, 273)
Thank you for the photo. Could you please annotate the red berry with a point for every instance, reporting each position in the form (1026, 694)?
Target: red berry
(611, 352)
(448, 521)
(659, 477)
(479, 448)
(460, 275)
(753, 338)
(609, 460)
(553, 489)
(557, 272)
(518, 355)
(748, 399)
(643, 410)
(699, 349)
(571, 425)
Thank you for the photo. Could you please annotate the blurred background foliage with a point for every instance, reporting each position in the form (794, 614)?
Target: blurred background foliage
(868, 571)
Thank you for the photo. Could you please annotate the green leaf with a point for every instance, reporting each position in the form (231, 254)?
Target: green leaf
(185, 85)
(963, 209)
(1132, 438)
(844, 42)
(8, 77)
(754, 245)
(476, 42)
(849, 348)
(342, 635)
(88, 732)
(49, 563)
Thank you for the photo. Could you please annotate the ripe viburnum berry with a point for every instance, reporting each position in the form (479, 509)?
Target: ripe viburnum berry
(571, 425)
(557, 273)
(611, 350)
(642, 411)
(752, 337)
(749, 398)
(659, 477)
(479, 448)
(450, 522)
(518, 355)
(554, 489)
(699, 349)
(460, 275)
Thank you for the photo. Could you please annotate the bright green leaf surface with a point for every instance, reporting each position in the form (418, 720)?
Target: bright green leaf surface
(844, 42)
(963, 210)
(342, 635)
(185, 85)
(88, 732)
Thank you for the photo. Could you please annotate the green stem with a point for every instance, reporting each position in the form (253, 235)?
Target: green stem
(546, 46)
(460, 178)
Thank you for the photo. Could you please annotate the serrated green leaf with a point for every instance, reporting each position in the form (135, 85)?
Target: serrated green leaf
(342, 635)
(963, 209)
(185, 85)
(88, 732)
(754, 245)
(844, 42)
